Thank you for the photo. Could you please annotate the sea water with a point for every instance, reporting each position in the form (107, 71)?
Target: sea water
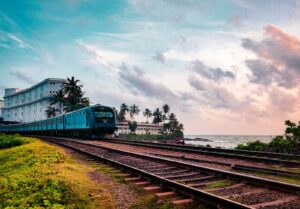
(225, 141)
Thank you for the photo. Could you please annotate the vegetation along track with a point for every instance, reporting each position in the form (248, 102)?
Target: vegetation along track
(216, 187)
(277, 158)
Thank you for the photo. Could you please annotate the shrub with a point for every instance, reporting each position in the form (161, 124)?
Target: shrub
(280, 144)
(253, 146)
(7, 141)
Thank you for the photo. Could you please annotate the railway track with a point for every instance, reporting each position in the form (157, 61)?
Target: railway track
(269, 157)
(213, 186)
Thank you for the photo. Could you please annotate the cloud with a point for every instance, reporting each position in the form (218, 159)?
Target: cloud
(213, 95)
(278, 57)
(109, 59)
(210, 73)
(235, 20)
(160, 57)
(22, 75)
(138, 83)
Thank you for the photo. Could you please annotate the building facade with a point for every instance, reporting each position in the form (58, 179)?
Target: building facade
(142, 128)
(1, 107)
(30, 104)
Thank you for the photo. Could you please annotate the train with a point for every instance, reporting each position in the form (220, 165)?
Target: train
(88, 122)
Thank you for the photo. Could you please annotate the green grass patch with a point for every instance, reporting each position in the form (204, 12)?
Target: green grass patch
(286, 179)
(219, 184)
(7, 141)
(38, 175)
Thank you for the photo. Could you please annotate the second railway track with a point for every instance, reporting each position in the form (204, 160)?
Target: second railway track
(216, 187)
(277, 158)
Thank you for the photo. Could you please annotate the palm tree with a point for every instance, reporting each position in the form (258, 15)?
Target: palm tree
(134, 110)
(59, 98)
(85, 102)
(73, 93)
(123, 110)
(51, 111)
(157, 116)
(173, 121)
(148, 114)
(180, 127)
(166, 110)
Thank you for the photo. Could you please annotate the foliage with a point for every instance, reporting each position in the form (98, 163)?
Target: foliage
(292, 132)
(134, 110)
(70, 97)
(51, 112)
(290, 143)
(254, 145)
(282, 145)
(157, 116)
(148, 114)
(7, 141)
(37, 175)
(132, 126)
(123, 110)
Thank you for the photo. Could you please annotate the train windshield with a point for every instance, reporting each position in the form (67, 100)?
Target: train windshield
(103, 114)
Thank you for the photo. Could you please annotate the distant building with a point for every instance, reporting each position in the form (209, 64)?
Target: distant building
(142, 128)
(30, 104)
(1, 107)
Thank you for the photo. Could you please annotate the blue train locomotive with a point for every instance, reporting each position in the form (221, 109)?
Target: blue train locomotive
(91, 121)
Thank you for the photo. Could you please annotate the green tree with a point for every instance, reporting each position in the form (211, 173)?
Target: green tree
(157, 116)
(123, 110)
(51, 111)
(73, 94)
(134, 110)
(59, 98)
(132, 126)
(148, 114)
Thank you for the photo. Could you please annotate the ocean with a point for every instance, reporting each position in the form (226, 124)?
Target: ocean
(225, 141)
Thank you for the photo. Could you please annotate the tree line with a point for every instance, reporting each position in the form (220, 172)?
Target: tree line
(163, 115)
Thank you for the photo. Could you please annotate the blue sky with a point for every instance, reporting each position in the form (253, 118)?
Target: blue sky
(220, 64)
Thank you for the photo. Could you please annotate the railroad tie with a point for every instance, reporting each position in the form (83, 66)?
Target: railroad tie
(165, 195)
(142, 183)
(133, 179)
(182, 203)
(228, 187)
(276, 202)
(123, 175)
(197, 179)
(152, 189)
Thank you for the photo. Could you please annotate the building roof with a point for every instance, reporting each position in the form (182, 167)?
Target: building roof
(34, 86)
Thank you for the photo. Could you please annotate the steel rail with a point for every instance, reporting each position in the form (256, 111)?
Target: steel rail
(199, 151)
(245, 152)
(181, 188)
(277, 185)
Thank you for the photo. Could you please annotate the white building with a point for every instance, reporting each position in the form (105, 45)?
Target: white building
(30, 104)
(1, 106)
(142, 128)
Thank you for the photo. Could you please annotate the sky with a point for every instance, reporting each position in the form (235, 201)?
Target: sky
(224, 66)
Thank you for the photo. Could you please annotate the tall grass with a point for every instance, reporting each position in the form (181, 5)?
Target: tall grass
(7, 141)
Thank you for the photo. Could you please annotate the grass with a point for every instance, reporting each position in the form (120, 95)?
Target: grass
(7, 141)
(290, 180)
(219, 184)
(38, 175)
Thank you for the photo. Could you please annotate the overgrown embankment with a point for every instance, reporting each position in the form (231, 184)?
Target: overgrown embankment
(38, 175)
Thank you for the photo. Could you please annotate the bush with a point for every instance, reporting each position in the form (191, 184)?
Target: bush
(7, 141)
(253, 146)
(282, 145)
